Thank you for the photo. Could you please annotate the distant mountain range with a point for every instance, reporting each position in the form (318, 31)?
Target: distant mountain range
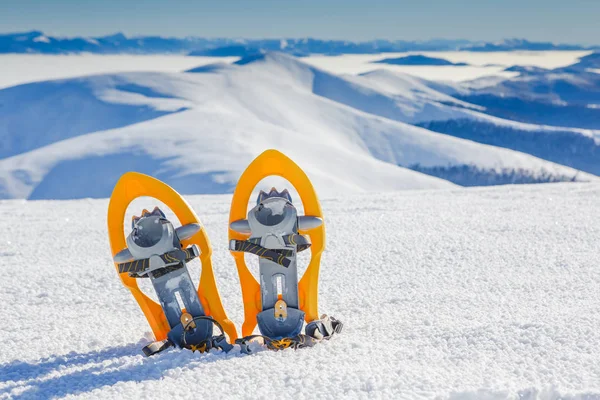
(38, 42)
(418, 59)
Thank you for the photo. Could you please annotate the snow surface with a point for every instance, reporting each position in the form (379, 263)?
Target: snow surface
(487, 293)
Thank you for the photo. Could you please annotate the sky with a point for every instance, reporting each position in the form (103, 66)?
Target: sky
(573, 21)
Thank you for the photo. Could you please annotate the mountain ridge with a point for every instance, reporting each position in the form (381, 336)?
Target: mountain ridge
(38, 42)
(210, 123)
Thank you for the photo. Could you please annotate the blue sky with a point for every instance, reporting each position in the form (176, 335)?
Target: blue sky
(573, 21)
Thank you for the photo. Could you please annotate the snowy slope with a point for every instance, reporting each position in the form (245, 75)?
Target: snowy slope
(563, 88)
(451, 294)
(516, 113)
(441, 101)
(410, 99)
(565, 96)
(198, 130)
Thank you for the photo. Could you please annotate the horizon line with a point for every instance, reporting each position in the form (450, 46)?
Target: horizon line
(137, 36)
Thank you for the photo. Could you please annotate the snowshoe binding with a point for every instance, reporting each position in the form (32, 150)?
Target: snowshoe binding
(158, 251)
(273, 231)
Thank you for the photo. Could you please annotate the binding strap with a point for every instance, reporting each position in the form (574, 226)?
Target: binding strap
(300, 241)
(172, 257)
(316, 331)
(297, 342)
(278, 256)
(215, 342)
(218, 341)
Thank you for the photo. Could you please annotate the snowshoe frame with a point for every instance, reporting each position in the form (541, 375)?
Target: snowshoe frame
(269, 163)
(131, 186)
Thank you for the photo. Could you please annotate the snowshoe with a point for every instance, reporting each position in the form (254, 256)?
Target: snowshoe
(273, 231)
(158, 251)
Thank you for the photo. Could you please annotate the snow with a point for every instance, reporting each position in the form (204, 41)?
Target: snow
(42, 39)
(276, 207)
(219, 119)
(453, 294)
(418, 100)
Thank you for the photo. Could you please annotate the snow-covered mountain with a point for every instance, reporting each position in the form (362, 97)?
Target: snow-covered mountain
(520, 44)
(552, 114)
(199, 129)
(561, 87)
(418, 59)
(38, 42)
(590, 61)
(455, 110)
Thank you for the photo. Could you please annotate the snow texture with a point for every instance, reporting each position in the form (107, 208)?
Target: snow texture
(487, 293)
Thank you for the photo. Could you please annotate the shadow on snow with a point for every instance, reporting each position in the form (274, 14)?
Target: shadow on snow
(27, 380)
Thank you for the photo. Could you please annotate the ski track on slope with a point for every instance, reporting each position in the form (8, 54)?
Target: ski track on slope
(474, 293)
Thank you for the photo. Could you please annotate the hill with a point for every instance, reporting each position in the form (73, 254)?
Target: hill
(198, 131)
